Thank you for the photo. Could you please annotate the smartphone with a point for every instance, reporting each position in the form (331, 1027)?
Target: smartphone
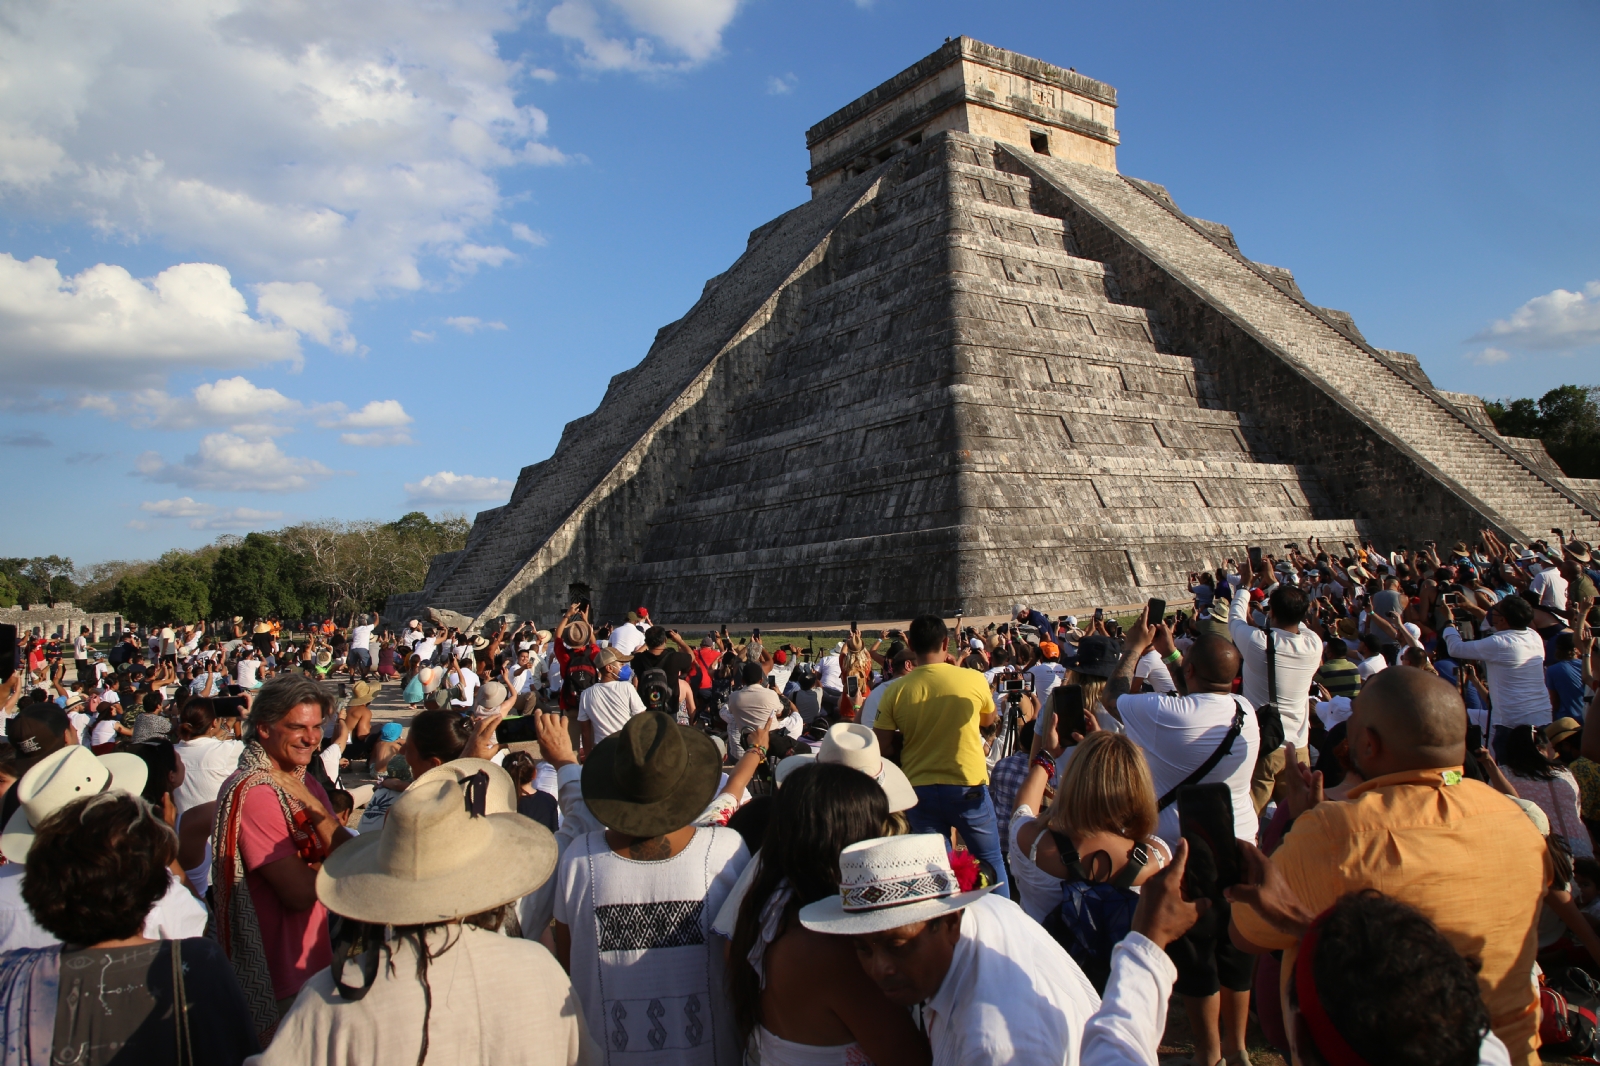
(755, 634)
(227, 706)
(517, 730)
(852, 625)
(1155, 611)
(1205, 818)
(1067, 701)
(852, 685)
(1255, 558)
(772, 682)
(1013, 685)
(1474, 737)
(1099, 614)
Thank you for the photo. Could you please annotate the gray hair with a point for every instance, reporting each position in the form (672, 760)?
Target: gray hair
(278, 697)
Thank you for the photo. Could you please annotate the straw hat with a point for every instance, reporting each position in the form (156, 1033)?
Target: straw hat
(452, 845)
(651, 776)
(856, 746)
(889, 882)
(1561, 729)
(577, 634)
(362, 694)
(61, 777)
(324, 657)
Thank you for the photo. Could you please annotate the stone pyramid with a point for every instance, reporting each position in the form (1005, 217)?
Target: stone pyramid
(980, 367)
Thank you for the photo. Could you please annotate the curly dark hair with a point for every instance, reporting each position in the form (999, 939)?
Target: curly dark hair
(1395, 988)
(96, 868)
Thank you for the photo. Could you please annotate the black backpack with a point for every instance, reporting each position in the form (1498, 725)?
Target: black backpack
(579, 673)
(657, 691)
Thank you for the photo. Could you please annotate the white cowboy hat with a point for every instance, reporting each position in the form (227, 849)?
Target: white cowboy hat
(59, 778)
(452, 845)
(856, 746)
(889, 882)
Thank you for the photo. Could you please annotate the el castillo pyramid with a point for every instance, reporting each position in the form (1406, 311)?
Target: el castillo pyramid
(979, 367)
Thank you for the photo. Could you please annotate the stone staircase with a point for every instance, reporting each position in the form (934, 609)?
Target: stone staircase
(1523, 503)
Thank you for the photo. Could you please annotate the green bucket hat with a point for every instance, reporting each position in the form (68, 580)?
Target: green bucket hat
(652, 776)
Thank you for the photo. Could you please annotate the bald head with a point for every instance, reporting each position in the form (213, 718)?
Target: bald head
(1407, 719)
(1211, 664)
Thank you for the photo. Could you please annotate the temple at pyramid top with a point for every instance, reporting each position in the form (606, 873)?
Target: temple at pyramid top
(980, 367)
(975, 88)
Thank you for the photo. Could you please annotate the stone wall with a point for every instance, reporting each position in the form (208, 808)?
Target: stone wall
(61, 620)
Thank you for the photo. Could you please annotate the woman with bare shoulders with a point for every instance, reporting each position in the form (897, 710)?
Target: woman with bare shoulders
(801, 998)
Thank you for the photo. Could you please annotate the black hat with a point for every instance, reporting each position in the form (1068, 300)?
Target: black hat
(652, 776)
(37, 731)
(1097, 656)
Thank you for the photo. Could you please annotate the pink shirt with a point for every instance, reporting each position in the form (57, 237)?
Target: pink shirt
(296, 942)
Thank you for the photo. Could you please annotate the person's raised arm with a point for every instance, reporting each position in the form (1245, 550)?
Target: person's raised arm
(744, 771)
(1121, 680)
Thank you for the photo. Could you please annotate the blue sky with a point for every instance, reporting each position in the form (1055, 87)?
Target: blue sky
(342, 261)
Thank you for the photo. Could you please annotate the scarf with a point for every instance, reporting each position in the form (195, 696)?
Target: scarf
(771, 924)
(29, 981)
(233, 921)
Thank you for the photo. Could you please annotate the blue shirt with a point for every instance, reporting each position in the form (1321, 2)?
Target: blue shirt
(1565, 679)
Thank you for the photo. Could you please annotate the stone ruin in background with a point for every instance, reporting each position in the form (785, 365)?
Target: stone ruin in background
(978, 367)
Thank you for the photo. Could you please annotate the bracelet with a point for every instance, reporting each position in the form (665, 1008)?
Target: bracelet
(757, 747)
(1175, 657)
(1044, 762)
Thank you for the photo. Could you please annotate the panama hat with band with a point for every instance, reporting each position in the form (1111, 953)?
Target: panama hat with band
(61, 777)
(452, 845)
(652, 776)
(889, 882)
(577, 634)
(856, 746)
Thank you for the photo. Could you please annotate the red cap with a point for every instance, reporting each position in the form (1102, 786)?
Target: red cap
(1257, 594)
(641, 612)
(780, 658)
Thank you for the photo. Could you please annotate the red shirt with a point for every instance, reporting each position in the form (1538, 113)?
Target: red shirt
(296, 942)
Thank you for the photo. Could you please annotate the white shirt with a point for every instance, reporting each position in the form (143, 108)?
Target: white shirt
(468, 682)
(1178, 733)
(1011, 995)
(627, 638)
(245, 673)
(869, 709)
(828, 674)
(1299, 655)
(1515, 659)
(361, 638)
(175, 916)
(1551, 587)
(1046, 676)
(1367, 667)
(207, 762)
(80, 647)
(607, 706)
(425, 649)
(1154, 673)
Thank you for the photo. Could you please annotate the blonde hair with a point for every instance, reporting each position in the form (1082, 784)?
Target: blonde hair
(1106, 788)
(1092, 688)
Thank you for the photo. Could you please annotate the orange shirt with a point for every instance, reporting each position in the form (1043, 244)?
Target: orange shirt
(1462, 854)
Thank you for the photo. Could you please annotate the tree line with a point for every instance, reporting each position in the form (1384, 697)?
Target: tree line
(314, 569)
(1566, 419)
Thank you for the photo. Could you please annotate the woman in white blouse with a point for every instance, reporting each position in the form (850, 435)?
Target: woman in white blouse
(1104, 806)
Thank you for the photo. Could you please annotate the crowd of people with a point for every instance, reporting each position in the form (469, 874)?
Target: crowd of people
(1347, 796)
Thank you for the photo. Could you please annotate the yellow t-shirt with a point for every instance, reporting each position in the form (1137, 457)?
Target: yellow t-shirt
(936, 709)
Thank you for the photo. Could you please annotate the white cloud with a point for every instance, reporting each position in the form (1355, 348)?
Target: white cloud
(531, 236)
(302, 306)
(107, 327)
(230, 463)
(205, 515)
(250, 411)
(468, 324)
(643, 35)
(779, 86)
(469, 257)
(352, 145)
(1488, 357)
(182, 507)
(448, 487)
(386, 422)
(1558, 321)
(420, 337)
(237, 518)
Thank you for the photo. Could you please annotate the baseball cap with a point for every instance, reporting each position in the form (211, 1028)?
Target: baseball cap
(38, 730)
(609, 655)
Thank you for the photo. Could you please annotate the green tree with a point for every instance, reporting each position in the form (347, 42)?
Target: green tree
(1566, 419)
(8, 592)
(177, 588)
(258, 577)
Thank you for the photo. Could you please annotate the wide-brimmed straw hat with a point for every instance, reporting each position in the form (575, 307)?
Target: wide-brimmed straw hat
(856, 746)
(362, 693)
(452, 845)
(889, 882)
(56, 780)
(652, 776)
